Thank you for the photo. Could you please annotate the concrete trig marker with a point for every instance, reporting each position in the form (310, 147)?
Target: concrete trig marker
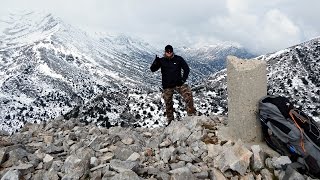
(247, 84)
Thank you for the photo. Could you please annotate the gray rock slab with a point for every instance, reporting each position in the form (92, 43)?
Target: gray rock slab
(177, 131)
(126, 175)
(11, 175)
(236, 158)
(122, 153)
(183, 173)
(122, 166)
(216, 174)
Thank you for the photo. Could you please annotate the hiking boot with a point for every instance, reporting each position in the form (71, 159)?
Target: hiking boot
(168, 122)
(195, 113)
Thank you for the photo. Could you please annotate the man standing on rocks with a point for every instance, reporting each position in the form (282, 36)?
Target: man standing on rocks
(173, 79)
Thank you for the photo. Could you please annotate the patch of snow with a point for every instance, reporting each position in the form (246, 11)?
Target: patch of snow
(44, 69)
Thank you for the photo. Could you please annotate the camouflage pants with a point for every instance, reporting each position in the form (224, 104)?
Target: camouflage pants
(185, 92)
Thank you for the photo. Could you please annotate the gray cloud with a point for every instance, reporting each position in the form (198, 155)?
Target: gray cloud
(260, 26)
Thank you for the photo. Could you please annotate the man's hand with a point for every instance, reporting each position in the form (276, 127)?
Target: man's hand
(156, 64)
(157, 59)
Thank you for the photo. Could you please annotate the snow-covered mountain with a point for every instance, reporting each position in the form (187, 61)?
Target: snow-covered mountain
(293, 72)
(207, 60)
(48, 68)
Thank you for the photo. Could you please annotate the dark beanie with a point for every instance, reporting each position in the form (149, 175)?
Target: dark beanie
(168, 48)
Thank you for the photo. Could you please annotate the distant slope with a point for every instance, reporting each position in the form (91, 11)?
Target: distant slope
(295, 72)
(292, 72)
(49, 68)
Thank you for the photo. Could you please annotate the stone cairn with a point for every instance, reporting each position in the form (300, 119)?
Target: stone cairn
(186, 149)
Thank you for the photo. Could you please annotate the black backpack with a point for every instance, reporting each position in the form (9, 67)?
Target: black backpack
(291, 132)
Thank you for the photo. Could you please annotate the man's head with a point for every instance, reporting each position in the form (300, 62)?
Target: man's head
(168, 50)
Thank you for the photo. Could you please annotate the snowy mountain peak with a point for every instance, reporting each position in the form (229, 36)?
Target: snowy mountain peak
(26, 28)
(293, 72)
(49, 68)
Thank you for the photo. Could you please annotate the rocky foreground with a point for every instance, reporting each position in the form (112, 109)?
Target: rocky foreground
(187, 149)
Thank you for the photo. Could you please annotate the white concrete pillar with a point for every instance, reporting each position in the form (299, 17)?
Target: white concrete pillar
(247, 84)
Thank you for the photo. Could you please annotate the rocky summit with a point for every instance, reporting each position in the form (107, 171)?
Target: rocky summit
(188, 149)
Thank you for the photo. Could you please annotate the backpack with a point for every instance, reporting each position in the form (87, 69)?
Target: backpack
(291, 132)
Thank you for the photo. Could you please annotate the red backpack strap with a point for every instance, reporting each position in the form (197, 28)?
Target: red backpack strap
(291, 113)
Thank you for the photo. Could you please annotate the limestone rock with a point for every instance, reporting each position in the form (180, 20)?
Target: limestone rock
(236, 158)
(71, 150)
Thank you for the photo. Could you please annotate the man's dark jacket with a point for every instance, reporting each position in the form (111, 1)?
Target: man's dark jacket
(171, 70)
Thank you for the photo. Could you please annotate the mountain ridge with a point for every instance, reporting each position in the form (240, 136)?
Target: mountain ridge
(291, 72)
(64, 67)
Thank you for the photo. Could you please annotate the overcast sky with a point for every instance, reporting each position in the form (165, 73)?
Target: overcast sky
(262, 26)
